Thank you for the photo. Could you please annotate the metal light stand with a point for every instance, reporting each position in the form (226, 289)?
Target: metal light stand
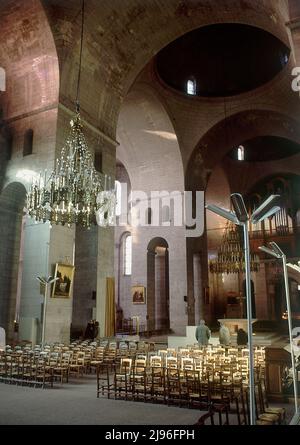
(288, 306)
(249, 324)
(45, 282)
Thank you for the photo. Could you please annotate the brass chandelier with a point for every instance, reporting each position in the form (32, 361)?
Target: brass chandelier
(231, 257)
(74, 192)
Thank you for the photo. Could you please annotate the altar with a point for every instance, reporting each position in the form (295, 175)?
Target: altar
(234, 324)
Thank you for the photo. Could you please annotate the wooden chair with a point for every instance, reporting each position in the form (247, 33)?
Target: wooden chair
(157, 380)
(122, 380)
(277, 414)
(105, 381)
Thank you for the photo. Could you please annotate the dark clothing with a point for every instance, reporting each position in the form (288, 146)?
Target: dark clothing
(92, 330)
(242, 337)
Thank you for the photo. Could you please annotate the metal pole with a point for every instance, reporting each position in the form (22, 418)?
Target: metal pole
(288, 306)
(249, 323)
(44, 314)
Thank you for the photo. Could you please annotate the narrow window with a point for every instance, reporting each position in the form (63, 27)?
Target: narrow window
(191, 87)
(118, 197)
(2, 79)
(28, 142)
(98, 162)
(128, 255)
(149, 216)
(241, 153)
(165, 214)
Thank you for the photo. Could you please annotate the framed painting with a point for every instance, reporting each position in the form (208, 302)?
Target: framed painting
(138, 294)
(62, 287)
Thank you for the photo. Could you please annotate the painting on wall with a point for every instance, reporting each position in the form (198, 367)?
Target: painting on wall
(62, 287)
(138, 294)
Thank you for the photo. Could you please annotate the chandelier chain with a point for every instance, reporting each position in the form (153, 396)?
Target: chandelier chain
(80, 58)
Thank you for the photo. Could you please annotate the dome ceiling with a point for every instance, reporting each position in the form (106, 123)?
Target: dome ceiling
(223, 59)
(267, 148)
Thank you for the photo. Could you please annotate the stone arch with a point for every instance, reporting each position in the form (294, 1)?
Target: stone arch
(150, 152)
(27, 87)
(213, 146)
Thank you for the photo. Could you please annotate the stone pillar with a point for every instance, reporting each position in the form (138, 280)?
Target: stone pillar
(167, 286)
(106, 241)
(150, 290)
(59, 310)
(198, 293)
(35, 263)
(160, 292)
(11, 208)
(85, 280)
(105, 269)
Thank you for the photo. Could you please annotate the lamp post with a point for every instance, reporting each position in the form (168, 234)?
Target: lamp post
(297, 268)
(241, 218)
(45, 282)
(277, 253)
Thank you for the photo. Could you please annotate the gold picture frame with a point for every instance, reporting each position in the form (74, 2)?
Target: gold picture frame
(63, 286)
(138, 294)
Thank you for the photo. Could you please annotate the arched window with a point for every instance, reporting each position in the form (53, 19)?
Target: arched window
(118, 197)
(2, 79)
(127, 255)
(149, 216)
(165, 214)
(98, 161)
(241, 153)
(191, 87)
(28, 142)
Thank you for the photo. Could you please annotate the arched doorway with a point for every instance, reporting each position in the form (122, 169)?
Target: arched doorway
(158, 315)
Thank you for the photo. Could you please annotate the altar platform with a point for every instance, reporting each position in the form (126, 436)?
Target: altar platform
(259, 339)
(234, 324)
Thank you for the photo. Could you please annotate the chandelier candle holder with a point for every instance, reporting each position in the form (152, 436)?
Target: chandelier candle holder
(74, 192)
(231, 258)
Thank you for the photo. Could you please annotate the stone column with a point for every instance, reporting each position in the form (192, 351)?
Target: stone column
(106, 241)
(59, 310)
(160, 291)
(151, 290)
(198, 293)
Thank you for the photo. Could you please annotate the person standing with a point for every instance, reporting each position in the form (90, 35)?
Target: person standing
(202, 333)
(242, 337)
(224, 335)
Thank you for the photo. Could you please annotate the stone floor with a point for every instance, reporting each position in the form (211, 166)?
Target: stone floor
(76, 403)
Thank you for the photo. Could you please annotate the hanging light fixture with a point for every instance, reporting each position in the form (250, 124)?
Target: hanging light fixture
(231, 257)
(74, 192)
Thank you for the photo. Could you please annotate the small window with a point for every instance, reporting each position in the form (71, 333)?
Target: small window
(191, 87)
(165, 214)
(149, 216)
(128, 255)
(98, 162)
(118, 197)
(241, 153)
(28, 142)
(2, 79)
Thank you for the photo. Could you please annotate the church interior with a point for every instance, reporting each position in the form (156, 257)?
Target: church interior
(149, 212)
